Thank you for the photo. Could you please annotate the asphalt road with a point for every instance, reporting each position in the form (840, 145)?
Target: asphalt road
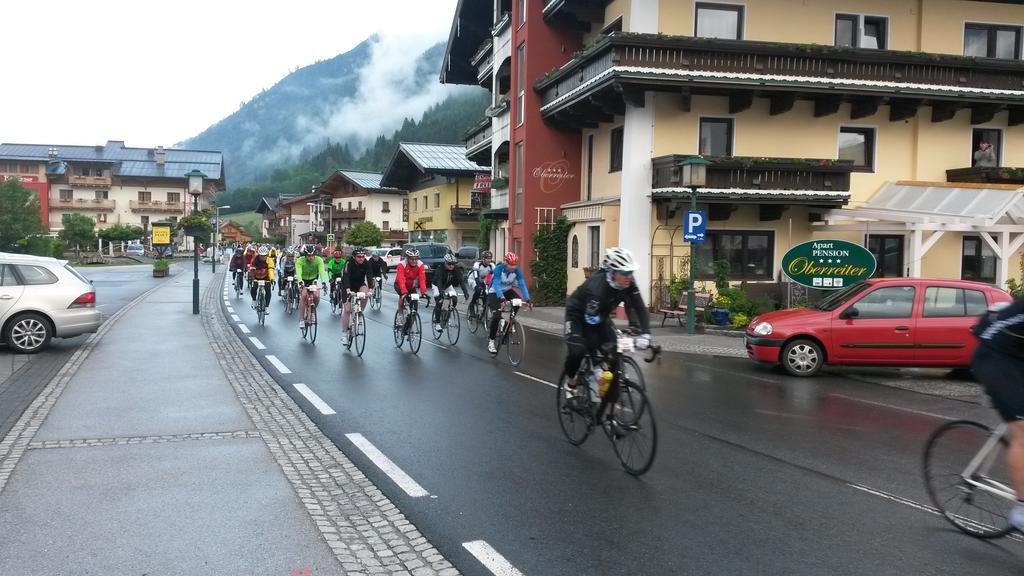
(756, 472)
(115, 287)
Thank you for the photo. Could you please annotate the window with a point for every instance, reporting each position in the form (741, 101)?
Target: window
(101, 218)
(67, 195)
(888, 302)
(715, 137)
(994, 137)
(941, 302)
(859, 31)
(386, 208)
(102, 194)
(83, 171)
(590, 166)
(415, 203)
(574, 254)
(7, 276)
(360, 205)
(749, 254)
(99, 172)
(350, 205)
(978, 261)
(425, 205)
(858, 144)
(615, 150)
(173, 197)
(992, 41)
(385, 225)
(522, 12)
(888, 253)
(519, 182)
(521, 79)
(437, 199)
(34, 275)
(468, 253)
(719, 21)
(145, 196)
(64, 218)
(594, 246)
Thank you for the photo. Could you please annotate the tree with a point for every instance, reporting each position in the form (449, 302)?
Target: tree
(78, 230)
(364, 234)
(20, 209)
(121, 233)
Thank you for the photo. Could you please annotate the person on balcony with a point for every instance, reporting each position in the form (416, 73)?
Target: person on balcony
(985, 155)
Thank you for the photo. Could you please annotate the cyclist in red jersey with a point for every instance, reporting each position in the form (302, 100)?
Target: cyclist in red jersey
(410, 275)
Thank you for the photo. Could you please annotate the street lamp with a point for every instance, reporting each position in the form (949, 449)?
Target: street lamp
(195, 189)
(694, 175)
(216, 240)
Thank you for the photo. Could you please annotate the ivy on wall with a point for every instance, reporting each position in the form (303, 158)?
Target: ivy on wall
(549, 268)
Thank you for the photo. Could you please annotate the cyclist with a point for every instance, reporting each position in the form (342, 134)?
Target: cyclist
(287, 269)
(335, 265)
(444, 276)
(481, 273)
(308, 269)
(262, 268)
(355, 277)
(998, 364)
(378, 269)
(506, 282)
(409, 275)
(237, 264)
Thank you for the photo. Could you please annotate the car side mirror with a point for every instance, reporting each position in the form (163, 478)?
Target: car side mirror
(850, 313)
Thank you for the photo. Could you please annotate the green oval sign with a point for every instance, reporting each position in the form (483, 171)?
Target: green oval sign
(828, 264)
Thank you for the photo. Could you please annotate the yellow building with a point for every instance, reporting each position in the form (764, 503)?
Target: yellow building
(443, 206)
(856, 119)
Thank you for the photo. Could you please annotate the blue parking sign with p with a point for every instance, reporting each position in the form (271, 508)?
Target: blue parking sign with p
(694, 226)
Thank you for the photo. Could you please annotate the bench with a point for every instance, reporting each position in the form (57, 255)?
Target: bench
(701, 301)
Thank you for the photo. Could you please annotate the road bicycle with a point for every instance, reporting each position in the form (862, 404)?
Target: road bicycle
(449, 321)
(356, 330)
(238, 283)
(510, 333)
(629, 421)
(291, 295)
(261, 304)
(309, 326)
(407, 324)
(376, 299)
(336, 302)
(476, 314)
(967, 479)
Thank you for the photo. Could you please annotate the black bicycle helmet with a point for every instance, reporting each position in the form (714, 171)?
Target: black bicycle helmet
(486, 254)
(309, 250)
(450, 258)
(359, 250)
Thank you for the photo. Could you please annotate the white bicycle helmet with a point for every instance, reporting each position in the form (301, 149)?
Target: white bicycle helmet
(411, 252)
(263, 251)
(618, 260)
(450, 258)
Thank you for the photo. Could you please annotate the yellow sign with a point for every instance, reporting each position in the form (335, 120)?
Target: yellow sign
(418, 225)
(161, 235)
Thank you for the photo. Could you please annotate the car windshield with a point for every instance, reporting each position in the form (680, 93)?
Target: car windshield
(837, 299)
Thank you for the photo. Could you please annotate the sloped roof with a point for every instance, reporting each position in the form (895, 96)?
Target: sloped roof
(125, 162)
(267, 205)
(368, 180)
(412, 159)
(946, 202)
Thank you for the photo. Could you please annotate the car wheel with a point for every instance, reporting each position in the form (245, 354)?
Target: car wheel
(802, 358)
(28, 333)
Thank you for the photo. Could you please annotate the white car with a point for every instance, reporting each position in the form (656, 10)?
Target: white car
(43, 298)
(393, 256)
(135, 250)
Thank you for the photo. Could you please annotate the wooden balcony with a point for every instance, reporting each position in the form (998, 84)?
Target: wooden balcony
(478, 138)
(156, 206)
(90, 181)
(89, 204)
(465, 214)
(353, 214)
(986, 175)
(396, 235)
(760, 173)
(597, 84)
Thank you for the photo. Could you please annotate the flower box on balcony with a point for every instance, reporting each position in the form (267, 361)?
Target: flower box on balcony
(499, 183)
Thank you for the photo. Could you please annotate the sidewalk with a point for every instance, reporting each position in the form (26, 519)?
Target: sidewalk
(162, 447)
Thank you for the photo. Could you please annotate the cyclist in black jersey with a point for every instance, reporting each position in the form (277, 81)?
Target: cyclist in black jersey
(355, 277)
(378, 268)
(448, 274)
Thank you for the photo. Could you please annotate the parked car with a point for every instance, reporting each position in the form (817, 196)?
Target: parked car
(393, 256)
(135, 250)
(468, 255)
(43, 298)
(880, 322)
(431, 253)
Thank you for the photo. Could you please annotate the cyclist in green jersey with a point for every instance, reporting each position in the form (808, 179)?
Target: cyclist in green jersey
(308, 269)
(335, 268)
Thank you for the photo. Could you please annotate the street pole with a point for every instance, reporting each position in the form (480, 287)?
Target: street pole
(691, 298)
(195, 261)
(216, 237)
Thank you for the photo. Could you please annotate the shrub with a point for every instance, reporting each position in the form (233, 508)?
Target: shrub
(740, 320)
(161, 264)
(549, 268)
(677, 285)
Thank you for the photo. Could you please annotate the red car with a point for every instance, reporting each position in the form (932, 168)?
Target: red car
(880, 322)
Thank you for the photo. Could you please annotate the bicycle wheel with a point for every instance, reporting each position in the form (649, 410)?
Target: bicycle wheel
(312, 324)
(473, 318)
(515, 343)
(289, 304)
(631, 372)
(397, 327)
(453, 327)
(359, 332)
(375, 303)
(575, 409)
(261, 307)
(634, 434)
(335, 303)
(973, 510)
(415, 334)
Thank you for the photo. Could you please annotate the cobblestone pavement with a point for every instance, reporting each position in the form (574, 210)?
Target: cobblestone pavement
(367, 533)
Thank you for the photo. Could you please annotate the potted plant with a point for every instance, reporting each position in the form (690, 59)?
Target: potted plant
(499, 183)
(196, 224)
(720, 310)
(160, 267)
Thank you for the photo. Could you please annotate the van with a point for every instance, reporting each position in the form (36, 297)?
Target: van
(431, 253)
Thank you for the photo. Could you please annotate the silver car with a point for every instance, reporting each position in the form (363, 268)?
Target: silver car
(43, 298)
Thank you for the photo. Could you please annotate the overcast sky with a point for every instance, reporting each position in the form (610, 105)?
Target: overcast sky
(155, 73)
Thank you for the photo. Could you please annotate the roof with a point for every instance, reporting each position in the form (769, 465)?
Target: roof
(126, 162)
(471, 26)
(412, 159)
(367, 180)
(942, 203)
(756, 194)
(298, 199)
(267, 205)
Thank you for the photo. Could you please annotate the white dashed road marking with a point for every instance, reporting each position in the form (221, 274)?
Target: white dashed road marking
(490, 558)
(528, 377)
(278, 364)
(403, 480)
(243, 328)
(256, 342)
(900, 408)
(314, 399)
(236, 318)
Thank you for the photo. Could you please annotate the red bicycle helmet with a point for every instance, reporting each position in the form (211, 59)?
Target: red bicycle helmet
(511, 259)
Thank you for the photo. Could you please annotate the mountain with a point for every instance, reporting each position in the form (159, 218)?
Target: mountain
(349, 100)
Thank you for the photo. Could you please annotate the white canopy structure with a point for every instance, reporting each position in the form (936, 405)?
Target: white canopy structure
(928, 210)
